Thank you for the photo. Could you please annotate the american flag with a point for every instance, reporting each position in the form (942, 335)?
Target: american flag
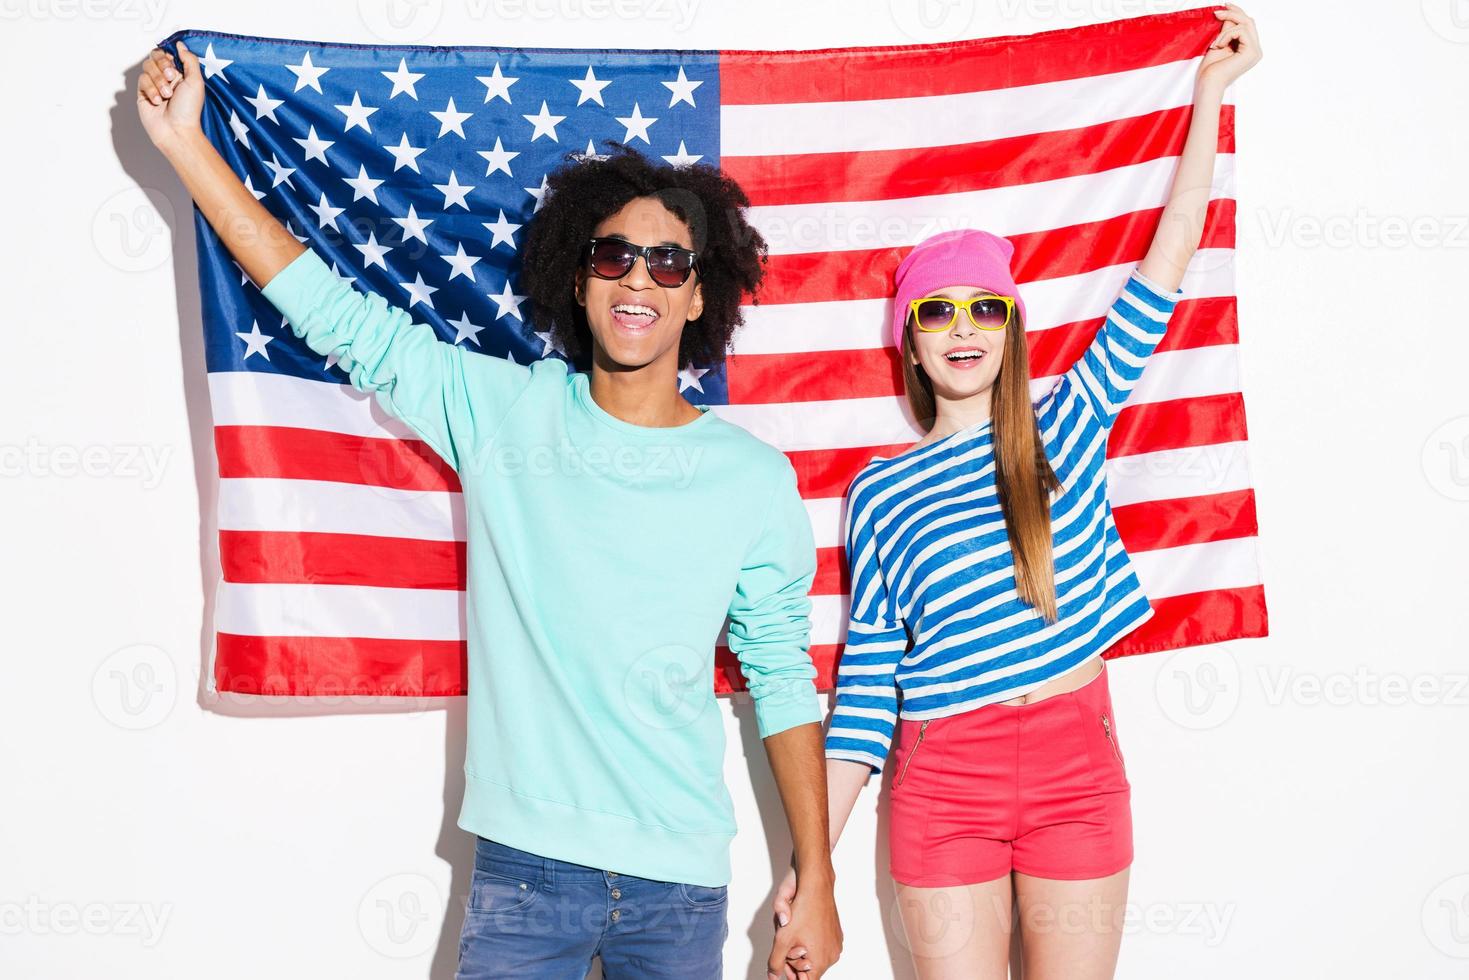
(415, 169)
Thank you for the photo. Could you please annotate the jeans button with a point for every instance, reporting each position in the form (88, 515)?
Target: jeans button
(616, 893)
(616, 914)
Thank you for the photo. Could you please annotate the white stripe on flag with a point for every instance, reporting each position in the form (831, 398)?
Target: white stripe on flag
(800, 328)
(839, 226)
(340, 610)
(339, 508)
(857, 125)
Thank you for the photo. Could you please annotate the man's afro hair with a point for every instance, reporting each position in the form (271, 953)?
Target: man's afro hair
(586, 190)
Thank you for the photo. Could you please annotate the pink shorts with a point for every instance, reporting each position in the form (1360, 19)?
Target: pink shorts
(1039, 788)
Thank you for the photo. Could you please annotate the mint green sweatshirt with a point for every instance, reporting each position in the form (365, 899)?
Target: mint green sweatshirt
(603, 559)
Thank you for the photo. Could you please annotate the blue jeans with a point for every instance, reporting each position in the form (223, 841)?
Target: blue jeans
(530, 916)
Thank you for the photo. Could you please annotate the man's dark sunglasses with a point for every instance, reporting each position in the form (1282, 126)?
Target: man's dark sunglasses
(668, 265)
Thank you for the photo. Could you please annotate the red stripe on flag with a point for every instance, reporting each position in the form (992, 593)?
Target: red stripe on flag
(310, 454)
(882, 175)
(1195, 323)
(728, 678)
(817, 277)
(1206, 420)
(1197, 618)
(315, 666)
(749, 77)
(875, 372)
(317, 558)
(831, 572)
(828, 472)
(1186, 520)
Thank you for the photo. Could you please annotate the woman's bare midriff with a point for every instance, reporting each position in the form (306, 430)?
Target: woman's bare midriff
(1069, 681)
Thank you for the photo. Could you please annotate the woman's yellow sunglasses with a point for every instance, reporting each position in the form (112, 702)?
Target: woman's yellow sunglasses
(932, 314)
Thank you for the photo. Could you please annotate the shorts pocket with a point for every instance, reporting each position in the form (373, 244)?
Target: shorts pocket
(703, 896)
(498, 892)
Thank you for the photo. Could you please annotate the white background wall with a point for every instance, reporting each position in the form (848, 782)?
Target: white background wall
(1309, 820)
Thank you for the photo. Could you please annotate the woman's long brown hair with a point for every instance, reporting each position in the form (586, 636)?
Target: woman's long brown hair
(1024, 479)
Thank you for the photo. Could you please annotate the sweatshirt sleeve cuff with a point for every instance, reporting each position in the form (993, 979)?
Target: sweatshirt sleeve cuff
(796, 704)
(301, 286)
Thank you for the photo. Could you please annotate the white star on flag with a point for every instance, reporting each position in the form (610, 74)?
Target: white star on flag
(501, 231)
(461, 263)
(451, 120)
(326, 215)
(405, 155)
(683, 157)
(464, 330)
(419, 291)
(499, 158)
(255, 341)
(414, 226)
(357, 114)
(545, 123)
(590, 88)
(314, 145)
(308, 75)
(682, 89)
(363, 185)
(213, 64)
(372, 252)
(265, 106)
(454, 192)
(689, 377)
(497, 86)
(506, 302)
(637, 125)
(403, 80)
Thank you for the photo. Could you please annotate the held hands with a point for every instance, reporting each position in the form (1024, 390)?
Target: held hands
(1235, 51)
(808, 935)
(169, 104)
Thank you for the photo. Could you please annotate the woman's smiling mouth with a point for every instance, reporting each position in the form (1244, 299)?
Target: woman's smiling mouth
(965, 357)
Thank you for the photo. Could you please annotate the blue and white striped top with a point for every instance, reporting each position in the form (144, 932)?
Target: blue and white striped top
(935, 613)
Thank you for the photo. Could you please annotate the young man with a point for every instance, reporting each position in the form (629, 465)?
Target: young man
(612, 527)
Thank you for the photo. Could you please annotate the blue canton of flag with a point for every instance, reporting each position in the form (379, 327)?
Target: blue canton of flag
(414, 171)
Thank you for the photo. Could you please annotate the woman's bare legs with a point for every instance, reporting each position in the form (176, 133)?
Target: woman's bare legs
(1071, 930)
(960, 932)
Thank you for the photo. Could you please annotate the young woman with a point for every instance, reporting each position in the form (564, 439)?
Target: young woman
(987, 578)
(612, 527)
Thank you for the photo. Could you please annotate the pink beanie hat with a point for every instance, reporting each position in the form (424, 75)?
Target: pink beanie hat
(962, 257)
